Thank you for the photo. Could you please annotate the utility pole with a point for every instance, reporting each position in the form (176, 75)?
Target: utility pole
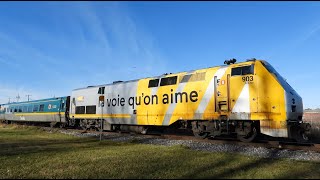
(9, 100)
(101, 102)
(28, 96)
(18, 97)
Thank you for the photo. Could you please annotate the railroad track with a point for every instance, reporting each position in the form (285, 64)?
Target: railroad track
(267, 142)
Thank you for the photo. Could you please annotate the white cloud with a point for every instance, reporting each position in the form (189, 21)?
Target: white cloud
(314, 30)
(93, 44)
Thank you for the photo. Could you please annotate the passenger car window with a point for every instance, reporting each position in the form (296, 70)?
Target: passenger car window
(41, 107)
(30, 107)
(35, 108)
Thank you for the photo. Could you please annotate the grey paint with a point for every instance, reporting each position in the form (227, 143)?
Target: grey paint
(117, 91)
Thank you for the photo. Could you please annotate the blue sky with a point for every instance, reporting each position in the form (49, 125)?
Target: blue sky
(49, 48)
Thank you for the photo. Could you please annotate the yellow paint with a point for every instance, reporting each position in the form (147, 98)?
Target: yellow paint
(202, 87)
(186, 110)
(143, 113)
(266, 97)
(80, 98)
(271, 96)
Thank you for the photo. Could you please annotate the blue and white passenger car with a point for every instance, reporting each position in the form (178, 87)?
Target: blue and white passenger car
(51, 110)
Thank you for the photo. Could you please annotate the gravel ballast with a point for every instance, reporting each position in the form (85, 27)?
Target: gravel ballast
(203, 146)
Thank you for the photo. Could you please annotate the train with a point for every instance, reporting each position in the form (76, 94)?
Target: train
(244, 100)
(53, 111)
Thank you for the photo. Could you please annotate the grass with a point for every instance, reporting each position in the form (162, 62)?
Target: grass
(29, 152)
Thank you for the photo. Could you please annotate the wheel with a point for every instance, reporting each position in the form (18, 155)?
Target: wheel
(98, 125)
(53, 124)
(249, 137)
(144, 130)
(200, 135)
(197, 130)
(83, 124)
(62, 125)
(302, 137)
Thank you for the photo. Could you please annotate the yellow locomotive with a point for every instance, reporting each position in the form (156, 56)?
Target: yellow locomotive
(244, 99)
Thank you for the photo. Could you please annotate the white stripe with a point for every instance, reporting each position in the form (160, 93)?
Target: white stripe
(274, 132)
(243, 102)
(210, 90)
(154, 91)
(171, 107)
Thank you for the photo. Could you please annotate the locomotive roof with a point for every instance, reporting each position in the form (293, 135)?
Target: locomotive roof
(160, 76)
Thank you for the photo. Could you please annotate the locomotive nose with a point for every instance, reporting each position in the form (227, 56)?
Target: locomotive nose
(299, 130)
(294, 106)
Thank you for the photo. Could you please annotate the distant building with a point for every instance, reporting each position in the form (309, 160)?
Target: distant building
(311, 116)
(312, 110)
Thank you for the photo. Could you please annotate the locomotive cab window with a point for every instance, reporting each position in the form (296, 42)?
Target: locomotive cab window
(244, 70)
(168, 81)
(236, 71)
(247, 70)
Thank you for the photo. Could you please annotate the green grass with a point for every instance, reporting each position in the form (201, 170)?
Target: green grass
(29, 152)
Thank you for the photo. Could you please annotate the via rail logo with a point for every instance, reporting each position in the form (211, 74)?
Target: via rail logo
(49, 106)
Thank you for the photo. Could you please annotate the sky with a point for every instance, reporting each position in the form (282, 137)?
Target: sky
(47, 49)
